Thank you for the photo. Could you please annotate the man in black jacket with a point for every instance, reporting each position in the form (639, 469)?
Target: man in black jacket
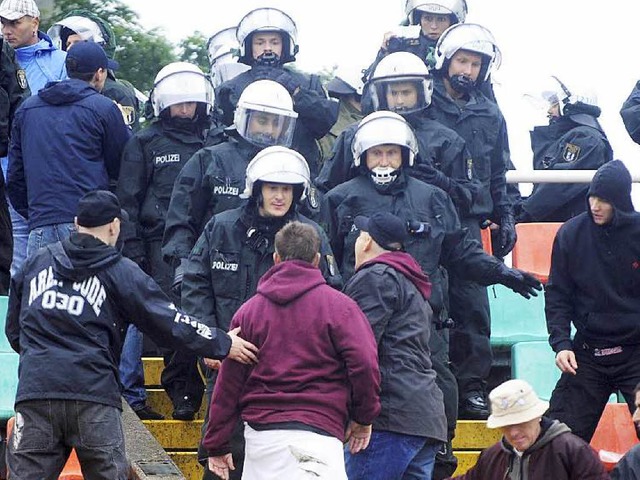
(68, 312)
(392, 291)
(594, 283)
(14, 89)
(268, 40)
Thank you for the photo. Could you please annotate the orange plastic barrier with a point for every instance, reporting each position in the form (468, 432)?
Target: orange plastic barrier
(532, 252)
(71, 470)
(615, 434)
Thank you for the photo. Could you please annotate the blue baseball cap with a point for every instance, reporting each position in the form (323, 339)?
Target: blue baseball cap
(89, 57)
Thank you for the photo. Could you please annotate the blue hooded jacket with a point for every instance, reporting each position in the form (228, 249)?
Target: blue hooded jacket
(42, 62)
(65, 142)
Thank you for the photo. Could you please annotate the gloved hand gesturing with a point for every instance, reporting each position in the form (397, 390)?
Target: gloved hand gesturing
(277, 74)
(507, 235)
(429, 174)
(520, 282)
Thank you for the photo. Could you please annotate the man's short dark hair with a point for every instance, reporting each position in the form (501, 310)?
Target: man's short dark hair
(297, 241)
(72, 71)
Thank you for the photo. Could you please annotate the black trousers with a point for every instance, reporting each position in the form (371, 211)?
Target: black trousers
(6, 243)
(470, 347)
(579, 400)
(180, 377)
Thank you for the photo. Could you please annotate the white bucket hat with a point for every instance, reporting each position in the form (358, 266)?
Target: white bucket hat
(514, 402)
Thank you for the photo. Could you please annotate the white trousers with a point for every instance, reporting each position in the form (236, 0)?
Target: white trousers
(292, 455)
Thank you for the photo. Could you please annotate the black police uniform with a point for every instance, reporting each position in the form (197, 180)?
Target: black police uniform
(124, 95)
(316, 112)
(480, 123)
(630, 113)
(438, 240)
(210, 182)
(13, 90)
(594, 283)
(234, 251)
(565, 144)
(439, 147)
(151, 162)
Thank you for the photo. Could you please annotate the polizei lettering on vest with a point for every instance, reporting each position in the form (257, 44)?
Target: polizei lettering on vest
(231, 267)
(167, 158)
(226, 191)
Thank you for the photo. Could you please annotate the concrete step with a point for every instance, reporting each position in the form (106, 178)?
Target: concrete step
(474, 435)
(175, 434)
(160, 402)
(188, 464)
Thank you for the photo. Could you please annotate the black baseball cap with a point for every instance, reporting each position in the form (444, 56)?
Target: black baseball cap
(89, 57)
(99, 208)
(385, 229)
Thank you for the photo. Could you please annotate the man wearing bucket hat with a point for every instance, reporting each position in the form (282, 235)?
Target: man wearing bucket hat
(532, 447)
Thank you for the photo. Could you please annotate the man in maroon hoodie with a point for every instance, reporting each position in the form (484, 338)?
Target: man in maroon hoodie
(392, 291)
(318, 367)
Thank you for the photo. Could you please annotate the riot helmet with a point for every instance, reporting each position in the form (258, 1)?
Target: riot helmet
(180, 82)
(87, 26)
(347, 81)
(222, 51)
(379, 129)
(456, 9)
(468, 37)
(267, 20)
(569, 101)
(400, 83)
(281, 165)
(264, 115)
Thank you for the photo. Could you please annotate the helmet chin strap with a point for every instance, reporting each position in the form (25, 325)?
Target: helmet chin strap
(461, 83)
(268, 59)
(383, 175)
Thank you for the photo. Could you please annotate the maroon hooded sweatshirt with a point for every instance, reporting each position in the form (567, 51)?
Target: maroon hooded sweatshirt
(318, 360)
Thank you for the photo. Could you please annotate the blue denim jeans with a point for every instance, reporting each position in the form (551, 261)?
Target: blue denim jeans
(393, 456)
(42, 236)
(20, 231)
(131, 369)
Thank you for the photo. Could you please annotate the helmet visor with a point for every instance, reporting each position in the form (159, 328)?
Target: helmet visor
(181, 87)
(401, 95)
(263, 128)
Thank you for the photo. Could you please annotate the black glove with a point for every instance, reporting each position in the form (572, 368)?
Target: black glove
(178, 276)
(519, 281)
(280, 75)
(507, 237)
(427, 173)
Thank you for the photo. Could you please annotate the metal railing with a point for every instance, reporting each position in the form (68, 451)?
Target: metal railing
(556, 176)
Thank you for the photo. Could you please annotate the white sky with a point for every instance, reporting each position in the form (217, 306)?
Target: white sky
(586, 44)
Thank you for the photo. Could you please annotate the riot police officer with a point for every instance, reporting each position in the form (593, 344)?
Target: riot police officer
(268, 41)
(236, 247)
(383, 148)
(465, 56)
(401, 83)
(222, 50)
(573, 140)
(182, 97)
(82, 25)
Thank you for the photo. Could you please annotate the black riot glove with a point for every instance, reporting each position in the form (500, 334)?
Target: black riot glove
(519, 281)
(507, 237)
(178, 277)
(429, 174)
(280, 75)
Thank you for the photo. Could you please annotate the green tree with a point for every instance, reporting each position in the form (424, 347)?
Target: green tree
(141, 53)
(194, 49)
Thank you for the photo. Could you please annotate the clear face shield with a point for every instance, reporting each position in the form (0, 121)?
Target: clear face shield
(265, 127)
(402, 95)
(226, 68)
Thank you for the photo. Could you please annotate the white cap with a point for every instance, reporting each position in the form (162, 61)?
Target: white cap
(15, 9)
(514, 402)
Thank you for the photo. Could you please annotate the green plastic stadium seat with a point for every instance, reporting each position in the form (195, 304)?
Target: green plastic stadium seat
(8, 384)
(4, 343)
(514, 318)
(535, 363)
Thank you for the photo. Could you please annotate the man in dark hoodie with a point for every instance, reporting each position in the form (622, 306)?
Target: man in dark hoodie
(573, 140)
(66, 141)
(533, 447)
(594, 284)
(392, 291)
(318, 368)
(68, 312)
